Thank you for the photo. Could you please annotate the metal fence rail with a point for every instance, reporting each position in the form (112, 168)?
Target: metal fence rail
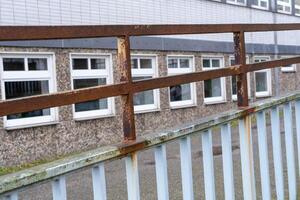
(127, 88)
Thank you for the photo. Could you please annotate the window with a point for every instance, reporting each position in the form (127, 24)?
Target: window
(89, 71)
(233, 80)
(26, 75)
(262, 79)
(214, 89)
(284, 6)
(260, 4)
(238, 2)
(289, 68)
(181, 95)
(144, 67)
(297, 7)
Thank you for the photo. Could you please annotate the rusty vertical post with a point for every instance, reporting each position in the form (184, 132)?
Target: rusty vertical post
(240, 58)
(124, 67)
(249, 189)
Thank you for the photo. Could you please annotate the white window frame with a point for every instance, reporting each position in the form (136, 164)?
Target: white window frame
(49, 75)
(234, 96)
(269, 78)
(260, 6)
(284, 4)
(297, 7)
(222, 98)
(235, 2)
(175, 71)
(147, 72)
(93, 74)
(292, 68)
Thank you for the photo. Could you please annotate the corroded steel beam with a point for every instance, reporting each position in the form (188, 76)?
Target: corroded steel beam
(124, 67)
(87, 94)
(240, 59)
(8, 33)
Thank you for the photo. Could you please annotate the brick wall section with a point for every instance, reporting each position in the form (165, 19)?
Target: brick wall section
(69, 136)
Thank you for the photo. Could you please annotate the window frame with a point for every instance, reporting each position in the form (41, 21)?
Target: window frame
(222, 98)
(26, 75)
(234, 2)
(93, 74)
(147, 72)
(259, 6)
(267, 93)
(289, 69)
(176, 71)
(234, 96)
(284, 4)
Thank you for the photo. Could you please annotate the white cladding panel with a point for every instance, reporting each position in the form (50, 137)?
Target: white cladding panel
(76, 12)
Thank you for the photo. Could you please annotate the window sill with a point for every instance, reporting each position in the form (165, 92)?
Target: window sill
(263, 95)
(183, 106)
(147, 111)
(10, 128)
(78, 119)
(259, 7)
(214, 102)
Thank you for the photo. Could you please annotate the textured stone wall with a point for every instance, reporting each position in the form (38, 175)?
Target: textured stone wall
(68, 136)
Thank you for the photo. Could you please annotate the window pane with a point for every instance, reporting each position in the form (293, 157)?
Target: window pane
(13, 64)
(212, 88)
(255, 2)
(90, 105)
(146, 63)
(232, 62)
(37, 64)
(240, 1)
(180, 92)
(234, 85)
(297, 2)
(172, 63)
(134, 63)
(264, 4)
(215, 63)
(97, 63)
(206, 63)
(17, 89)
(80, 63)
(143, 98)
(261, 81)
(184, 63)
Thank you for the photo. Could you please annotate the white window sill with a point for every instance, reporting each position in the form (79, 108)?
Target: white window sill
(147, 111)
(259, 7)
(263, 95)
(183, 106)
(284, 12)
(235, 3)
(31, 126)
(210, 102)
(78, 119)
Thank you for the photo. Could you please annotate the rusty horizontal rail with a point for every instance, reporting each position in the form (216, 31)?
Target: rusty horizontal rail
(26, 104)
(83, 160)
(67, 32)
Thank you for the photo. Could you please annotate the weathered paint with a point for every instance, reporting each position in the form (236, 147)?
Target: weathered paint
(54, 169)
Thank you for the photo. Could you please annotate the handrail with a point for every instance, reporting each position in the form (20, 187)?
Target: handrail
(26, 104)
(67, 32)
(72, 163)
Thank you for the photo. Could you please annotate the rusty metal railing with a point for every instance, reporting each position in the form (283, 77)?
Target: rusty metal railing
(127, 87)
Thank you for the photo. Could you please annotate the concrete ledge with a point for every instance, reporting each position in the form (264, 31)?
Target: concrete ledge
(50, 170)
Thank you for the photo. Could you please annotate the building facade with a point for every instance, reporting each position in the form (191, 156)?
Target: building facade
(40, 67)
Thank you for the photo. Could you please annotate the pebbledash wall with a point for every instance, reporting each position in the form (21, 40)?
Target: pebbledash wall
(67, 135)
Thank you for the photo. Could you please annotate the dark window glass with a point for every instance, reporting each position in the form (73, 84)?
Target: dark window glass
(13, 64)
(234, 85)
(80, 63)
(146, 63)
(184, 63)
(261, 81)
(90, 105)
(37, 64)
(143, 98)
(180, 92)
(134, 63)
(172, 63)
(206, 63)
(215, 63)
(98, 63)
(212, 88)
(17, 89)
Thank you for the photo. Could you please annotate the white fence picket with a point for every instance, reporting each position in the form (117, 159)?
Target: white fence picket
(99, 183)
(132, 174)
(59, 188)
